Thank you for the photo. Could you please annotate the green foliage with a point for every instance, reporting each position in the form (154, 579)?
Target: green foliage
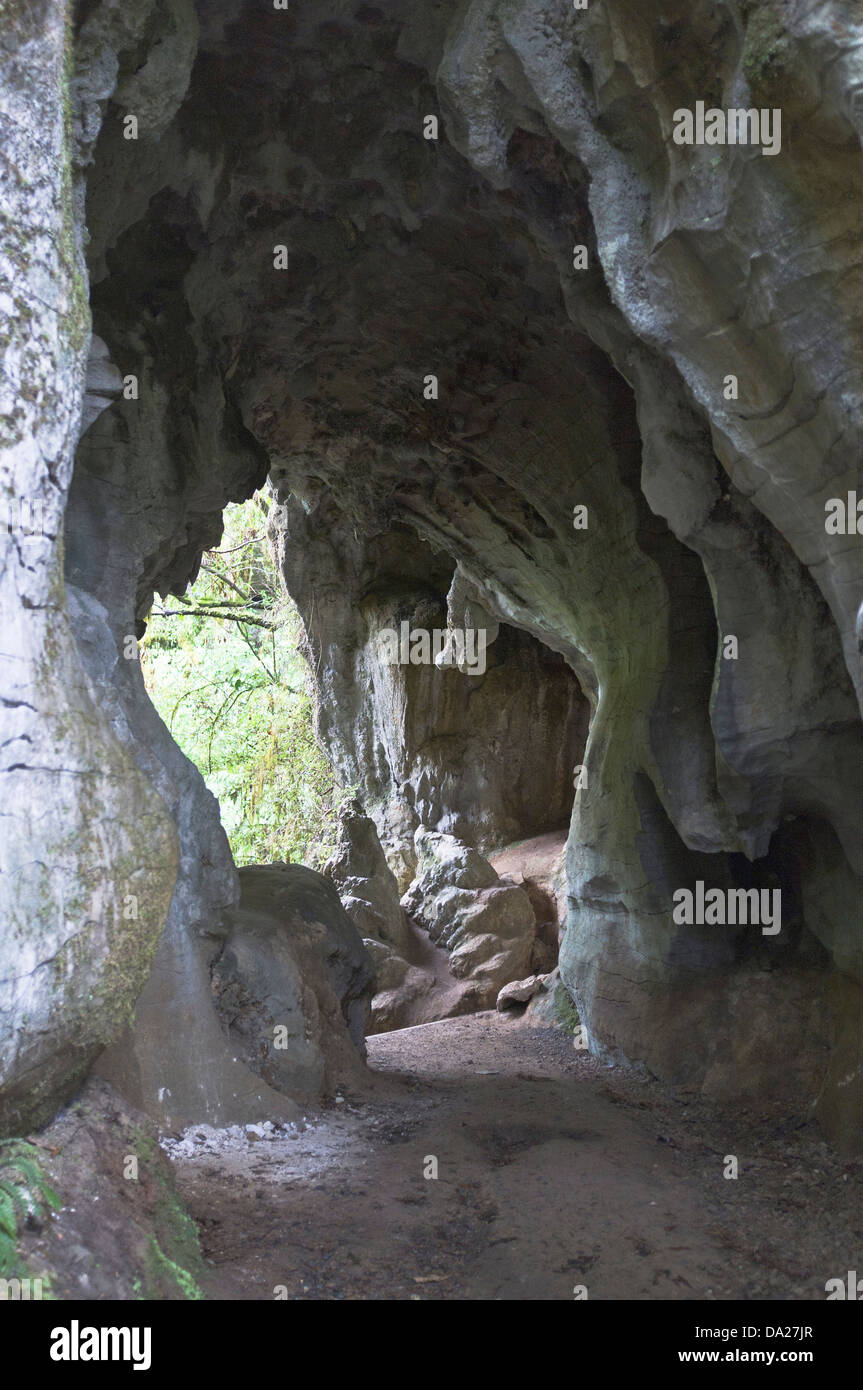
(174, 1260)
(222, 667)
(24, 1193)
(164, 1271)
(564, 1009)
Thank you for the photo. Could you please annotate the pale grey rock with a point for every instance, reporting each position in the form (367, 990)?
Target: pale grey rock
(517, 992)
(103, 383)
(487, 926)
(390, 969)
(293, 984)
(427, 745)
(551, 1005)
(88, 852)
(366, 884)
(601, 388)
(412, 998)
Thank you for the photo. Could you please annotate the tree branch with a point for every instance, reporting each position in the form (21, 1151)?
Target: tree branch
(203, 613)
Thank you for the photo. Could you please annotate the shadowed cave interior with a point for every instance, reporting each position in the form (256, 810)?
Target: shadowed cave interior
(292, 285)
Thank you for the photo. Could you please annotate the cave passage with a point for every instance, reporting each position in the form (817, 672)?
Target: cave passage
(465, 732)
(464, 454)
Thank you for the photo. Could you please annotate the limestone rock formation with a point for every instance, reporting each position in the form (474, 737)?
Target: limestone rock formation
(88, 852)
(293, 983)
(427, 744)
(551, 1003)
(118, 1237)
(407, 993)
(519, 992)
(365, 882)
(658, 342)
(487, 925)
(538, 865)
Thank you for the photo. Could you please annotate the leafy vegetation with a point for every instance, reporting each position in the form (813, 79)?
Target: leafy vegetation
(564, 1009)
(162, 1270)
(222, 667)
(24, 1193)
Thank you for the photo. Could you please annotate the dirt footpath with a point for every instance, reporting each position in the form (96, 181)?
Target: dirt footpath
(553, 1172)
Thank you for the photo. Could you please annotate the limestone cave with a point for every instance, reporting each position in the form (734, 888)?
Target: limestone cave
(553, 381)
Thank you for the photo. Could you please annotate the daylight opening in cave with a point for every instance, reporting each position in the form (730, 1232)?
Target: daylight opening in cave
(223, 664)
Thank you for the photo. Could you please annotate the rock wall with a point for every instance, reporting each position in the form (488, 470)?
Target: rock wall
(484, 754)
(88, 853)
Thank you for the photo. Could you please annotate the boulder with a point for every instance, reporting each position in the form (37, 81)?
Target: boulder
(552, 1004)
(390, 968)
(444, 862)
(487, 926)
(517, 992)
(293, 983)
(407, 1002)
(366, 884)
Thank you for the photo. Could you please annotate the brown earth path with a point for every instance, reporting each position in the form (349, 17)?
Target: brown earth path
(553, 1171)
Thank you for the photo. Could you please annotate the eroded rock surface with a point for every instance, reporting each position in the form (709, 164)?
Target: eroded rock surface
(365, 882)
(88, 851)
(485, 923)
(558, 388)
(293, 983)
